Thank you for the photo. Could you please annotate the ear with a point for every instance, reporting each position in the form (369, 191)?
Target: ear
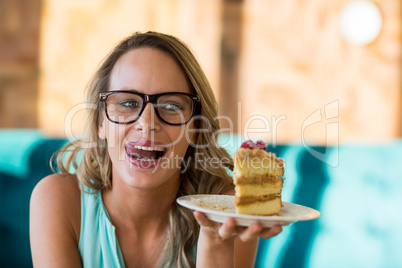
(102, 130)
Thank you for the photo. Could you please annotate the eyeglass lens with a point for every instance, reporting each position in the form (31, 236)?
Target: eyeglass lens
(124, 107)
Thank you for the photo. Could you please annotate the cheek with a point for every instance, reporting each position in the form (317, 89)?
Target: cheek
(114, 134)
(180, 137)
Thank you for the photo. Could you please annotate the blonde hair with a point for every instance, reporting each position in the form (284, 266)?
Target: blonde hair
(94, 170)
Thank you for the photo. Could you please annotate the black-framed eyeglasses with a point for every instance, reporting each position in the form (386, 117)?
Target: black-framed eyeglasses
(172, 108)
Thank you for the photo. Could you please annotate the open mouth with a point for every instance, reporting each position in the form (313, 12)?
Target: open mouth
(145, 153)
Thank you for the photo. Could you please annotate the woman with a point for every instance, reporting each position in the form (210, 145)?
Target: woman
(146, 143)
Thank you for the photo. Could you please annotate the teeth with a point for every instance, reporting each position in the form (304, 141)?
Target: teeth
(147, 160)
(161, 149)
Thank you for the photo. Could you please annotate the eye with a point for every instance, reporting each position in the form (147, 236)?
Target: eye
(172, 107)
(129, 104)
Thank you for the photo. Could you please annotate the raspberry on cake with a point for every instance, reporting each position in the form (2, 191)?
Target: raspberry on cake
(258, 180)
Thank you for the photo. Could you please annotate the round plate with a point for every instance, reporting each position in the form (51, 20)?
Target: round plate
(218, 208)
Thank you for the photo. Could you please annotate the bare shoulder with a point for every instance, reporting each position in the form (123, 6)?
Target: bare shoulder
(61, 187)
(60, 192)
(58, 196)
(55, 216)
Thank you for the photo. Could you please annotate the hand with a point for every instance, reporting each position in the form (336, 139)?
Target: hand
(216, 243)
(229, 231)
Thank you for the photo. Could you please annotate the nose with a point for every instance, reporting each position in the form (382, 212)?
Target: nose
(148, 120)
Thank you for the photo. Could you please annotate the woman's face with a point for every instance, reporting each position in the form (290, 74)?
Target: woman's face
(147, 153)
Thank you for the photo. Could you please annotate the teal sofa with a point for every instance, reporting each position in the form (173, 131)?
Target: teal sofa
(24, 160)
(356, 187)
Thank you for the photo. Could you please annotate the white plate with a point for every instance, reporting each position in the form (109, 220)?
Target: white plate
(220, 207)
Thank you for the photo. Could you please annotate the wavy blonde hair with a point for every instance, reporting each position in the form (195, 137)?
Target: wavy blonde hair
(94, 167)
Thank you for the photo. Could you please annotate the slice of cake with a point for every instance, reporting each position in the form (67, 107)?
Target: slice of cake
(258, 180)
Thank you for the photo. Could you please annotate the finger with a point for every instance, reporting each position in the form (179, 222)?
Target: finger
(228, 229)
(251, 232)
(271, 232)
(202, 219)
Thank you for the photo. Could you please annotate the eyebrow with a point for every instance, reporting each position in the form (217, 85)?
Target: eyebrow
(122, 89)
(137, 91)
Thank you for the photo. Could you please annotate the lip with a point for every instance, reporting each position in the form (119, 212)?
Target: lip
(146, 143)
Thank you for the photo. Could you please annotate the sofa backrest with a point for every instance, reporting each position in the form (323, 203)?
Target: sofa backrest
(24, 160)
(357, 189)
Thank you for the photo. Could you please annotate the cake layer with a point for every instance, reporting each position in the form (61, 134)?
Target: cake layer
(239, 199)
(250, 162)
(258, 189)
(267, 178)
(266, 208)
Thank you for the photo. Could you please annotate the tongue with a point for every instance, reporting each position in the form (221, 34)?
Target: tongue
(142, 154)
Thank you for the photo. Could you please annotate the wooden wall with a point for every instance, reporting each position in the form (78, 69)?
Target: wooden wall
(295, 63)
(19, 65)
(280, 69)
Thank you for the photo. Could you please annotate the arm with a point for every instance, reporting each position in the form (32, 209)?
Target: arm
(247, 243)
(228, 245)
(55, 222)
(214, 250)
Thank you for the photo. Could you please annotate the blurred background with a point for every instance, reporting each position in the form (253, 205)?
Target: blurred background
(281, 59)
(320, 81)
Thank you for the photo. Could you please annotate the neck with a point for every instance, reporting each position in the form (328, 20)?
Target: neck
(140, 209)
